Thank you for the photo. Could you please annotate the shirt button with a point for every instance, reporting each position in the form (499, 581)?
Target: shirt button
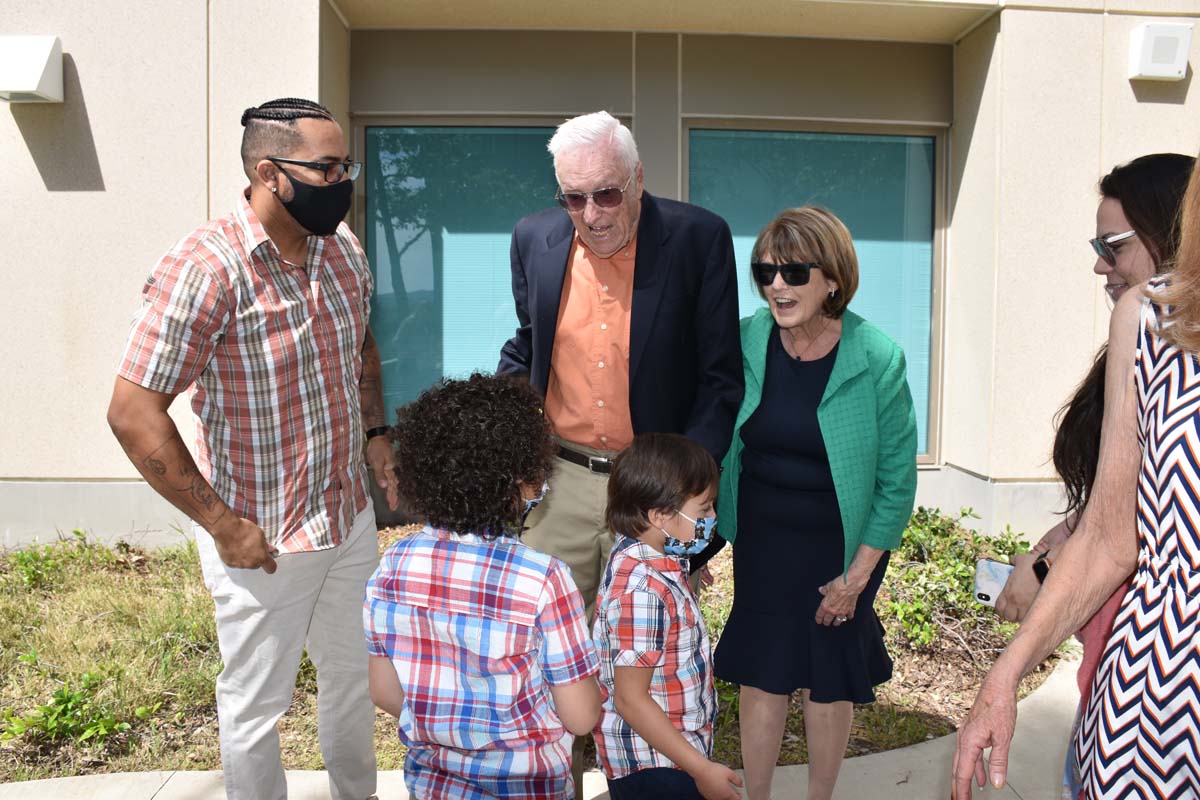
(601, 365)
(603, 326)
(604, 438)
(600, 403)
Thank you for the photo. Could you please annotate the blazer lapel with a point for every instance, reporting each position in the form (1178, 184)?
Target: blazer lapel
(850, 361)
(650, 270)
(550, 271)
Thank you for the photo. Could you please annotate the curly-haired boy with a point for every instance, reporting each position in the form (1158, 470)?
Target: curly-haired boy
(478, 643)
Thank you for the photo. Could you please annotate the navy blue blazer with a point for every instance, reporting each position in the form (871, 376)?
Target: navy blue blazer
(685, 357)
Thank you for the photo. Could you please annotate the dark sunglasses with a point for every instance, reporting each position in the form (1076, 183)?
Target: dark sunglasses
(1103, 245)
(608, 197)
(796, 274)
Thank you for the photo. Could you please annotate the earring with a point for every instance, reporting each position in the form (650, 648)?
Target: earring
(833, 291)
(274, 189)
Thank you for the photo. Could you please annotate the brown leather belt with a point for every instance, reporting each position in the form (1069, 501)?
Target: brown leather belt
(597, 464)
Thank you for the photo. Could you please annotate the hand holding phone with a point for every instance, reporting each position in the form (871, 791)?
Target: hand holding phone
(990, 577)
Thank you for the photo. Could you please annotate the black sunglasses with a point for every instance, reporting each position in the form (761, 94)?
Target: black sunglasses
(796, 274)
(608, 197)
(1103, 245)
(334, 171)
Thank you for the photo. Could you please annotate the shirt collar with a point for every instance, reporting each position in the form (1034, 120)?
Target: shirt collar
(626, 255)
(254, 235)
(649, 556)
(447, 535)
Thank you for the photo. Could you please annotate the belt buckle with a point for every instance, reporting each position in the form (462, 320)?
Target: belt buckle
(594, 460)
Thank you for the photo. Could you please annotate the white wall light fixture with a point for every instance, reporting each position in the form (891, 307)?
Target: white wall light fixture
(31, 69)
(1158, 51)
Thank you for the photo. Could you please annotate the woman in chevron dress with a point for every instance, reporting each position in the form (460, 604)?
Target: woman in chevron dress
(1141, 735)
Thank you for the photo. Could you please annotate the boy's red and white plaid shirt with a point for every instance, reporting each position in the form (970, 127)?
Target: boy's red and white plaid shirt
(273, 355)
(647, 616)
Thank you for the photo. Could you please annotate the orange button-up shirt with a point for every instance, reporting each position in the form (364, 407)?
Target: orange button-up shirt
(587, 398)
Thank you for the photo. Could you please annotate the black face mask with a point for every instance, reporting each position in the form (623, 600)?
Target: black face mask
(318, 209)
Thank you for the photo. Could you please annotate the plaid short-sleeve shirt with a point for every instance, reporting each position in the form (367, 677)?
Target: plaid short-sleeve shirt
(647, 616)
(478, 631)
(273, 355)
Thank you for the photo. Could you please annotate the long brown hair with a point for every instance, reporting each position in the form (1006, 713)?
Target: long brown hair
(1150, 190)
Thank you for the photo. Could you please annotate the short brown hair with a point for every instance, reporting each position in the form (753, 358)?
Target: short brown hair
(812, 233)
(658, 471)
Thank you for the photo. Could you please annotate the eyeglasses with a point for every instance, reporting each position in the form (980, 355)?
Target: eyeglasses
(1103, 245)
(796, 274)
(608, 197)
(333, 172)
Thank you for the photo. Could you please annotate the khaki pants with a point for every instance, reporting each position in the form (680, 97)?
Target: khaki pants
(569, 525)
(264, 623)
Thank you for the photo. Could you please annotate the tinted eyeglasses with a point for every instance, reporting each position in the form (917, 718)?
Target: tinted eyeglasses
(333, 172)
(1103, 245)
(795, 274)
(608, 197)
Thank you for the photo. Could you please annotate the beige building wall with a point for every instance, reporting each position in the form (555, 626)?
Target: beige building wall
(1032, 105)
(96, 188)
(142, 150)
(1043, 108)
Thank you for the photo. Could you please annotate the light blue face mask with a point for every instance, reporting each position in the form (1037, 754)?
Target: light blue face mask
(532, 503)
(705, 526)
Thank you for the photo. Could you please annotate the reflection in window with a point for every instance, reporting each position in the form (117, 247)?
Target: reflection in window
(880, 186)
(441, 205)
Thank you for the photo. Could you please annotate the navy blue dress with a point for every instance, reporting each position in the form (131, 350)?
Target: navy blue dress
(789, 544)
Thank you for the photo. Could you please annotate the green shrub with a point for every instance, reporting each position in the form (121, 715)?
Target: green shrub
(929, 590)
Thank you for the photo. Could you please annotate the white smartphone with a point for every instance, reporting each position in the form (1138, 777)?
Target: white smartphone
(990, 577)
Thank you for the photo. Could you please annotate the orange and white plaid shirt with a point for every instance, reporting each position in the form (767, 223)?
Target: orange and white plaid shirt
(273, 355)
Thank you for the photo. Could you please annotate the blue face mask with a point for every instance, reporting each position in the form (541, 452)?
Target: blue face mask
(532, 503)
(705, 526)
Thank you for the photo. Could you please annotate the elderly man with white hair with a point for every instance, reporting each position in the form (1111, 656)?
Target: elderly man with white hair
(628, 316)
(627, 305)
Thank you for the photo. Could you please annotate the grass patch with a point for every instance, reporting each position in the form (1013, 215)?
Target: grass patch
(122, 643)
(109, 656)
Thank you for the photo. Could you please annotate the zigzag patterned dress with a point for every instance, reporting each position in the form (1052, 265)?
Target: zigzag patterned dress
(1140, 736)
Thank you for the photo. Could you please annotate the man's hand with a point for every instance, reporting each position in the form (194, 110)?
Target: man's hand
(991, 723)
(717, 781)
(1020, 590)
(383, 466)
(242, 544)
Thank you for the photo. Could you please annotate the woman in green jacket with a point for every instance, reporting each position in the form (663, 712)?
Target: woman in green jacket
(816, 488)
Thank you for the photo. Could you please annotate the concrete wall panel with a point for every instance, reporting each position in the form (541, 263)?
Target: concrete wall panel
(97, 188)
(968, 331)
(817, 78)
(1050, 137)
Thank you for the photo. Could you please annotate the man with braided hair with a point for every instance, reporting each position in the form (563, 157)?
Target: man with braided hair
(262, 315)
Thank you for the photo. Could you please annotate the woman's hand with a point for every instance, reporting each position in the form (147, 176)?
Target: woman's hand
(991, 723)
(1020, 590)
(841, 597)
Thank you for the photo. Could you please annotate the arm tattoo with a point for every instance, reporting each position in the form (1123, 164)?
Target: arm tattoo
(191, 487)
(370, 385)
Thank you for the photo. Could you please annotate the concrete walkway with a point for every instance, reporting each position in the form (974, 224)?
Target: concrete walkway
(920, 772)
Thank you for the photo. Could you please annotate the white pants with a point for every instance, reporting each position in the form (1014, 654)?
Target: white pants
(264, 623)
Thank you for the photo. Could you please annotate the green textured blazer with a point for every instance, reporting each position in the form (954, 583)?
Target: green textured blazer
(867, 420)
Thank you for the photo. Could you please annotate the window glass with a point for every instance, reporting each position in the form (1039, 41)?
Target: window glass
(880, 186)
(441, 205)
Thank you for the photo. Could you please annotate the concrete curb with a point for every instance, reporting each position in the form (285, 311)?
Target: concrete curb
(919, 772)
